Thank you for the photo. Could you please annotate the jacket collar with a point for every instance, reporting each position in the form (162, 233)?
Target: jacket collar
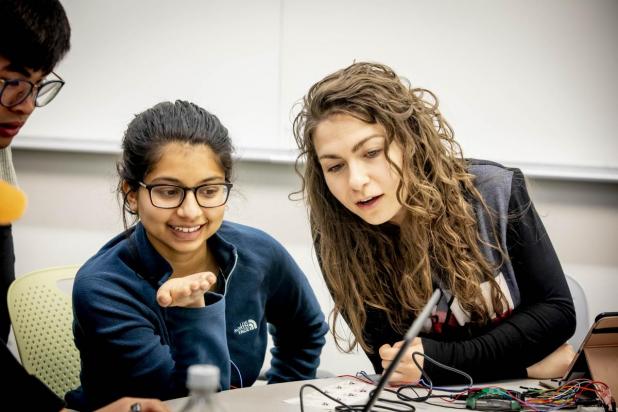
(156, 270)
(223, 250)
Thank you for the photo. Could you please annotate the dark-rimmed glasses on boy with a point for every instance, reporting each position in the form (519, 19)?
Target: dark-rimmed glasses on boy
(16, 91)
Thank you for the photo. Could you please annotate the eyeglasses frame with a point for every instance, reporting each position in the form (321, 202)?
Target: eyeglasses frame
(33, 86)
(186, 189)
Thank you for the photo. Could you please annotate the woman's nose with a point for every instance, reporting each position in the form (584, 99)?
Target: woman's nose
(358, 177)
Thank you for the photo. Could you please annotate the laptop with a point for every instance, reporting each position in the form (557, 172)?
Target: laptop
(407, 340)
(597, 357)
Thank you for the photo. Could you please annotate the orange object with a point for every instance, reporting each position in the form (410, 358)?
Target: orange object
(12, 203)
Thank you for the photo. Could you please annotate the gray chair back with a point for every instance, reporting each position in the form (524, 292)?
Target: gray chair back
(581, 311)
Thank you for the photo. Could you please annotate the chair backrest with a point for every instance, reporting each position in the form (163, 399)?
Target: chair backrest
(581, 311)
(42, 317)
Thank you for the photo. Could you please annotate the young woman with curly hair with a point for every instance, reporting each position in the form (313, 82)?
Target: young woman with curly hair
(396, 211)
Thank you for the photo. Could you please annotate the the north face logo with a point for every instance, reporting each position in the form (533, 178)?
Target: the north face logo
(245, 327)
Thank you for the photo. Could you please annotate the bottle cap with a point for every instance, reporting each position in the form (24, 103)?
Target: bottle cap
(203, 377)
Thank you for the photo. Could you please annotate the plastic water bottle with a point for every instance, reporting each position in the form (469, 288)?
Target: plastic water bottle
(202, 382)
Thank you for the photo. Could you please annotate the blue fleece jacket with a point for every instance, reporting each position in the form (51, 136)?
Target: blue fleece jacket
(130, 346)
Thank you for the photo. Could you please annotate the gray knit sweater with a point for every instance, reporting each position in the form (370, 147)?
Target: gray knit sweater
(7, 171)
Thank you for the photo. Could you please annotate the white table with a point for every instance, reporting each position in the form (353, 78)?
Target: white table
(270, 398)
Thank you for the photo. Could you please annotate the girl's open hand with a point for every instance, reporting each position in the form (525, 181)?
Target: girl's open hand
(187, 291)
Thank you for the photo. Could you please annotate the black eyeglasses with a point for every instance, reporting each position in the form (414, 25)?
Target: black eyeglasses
(16, 91)
(171, 196)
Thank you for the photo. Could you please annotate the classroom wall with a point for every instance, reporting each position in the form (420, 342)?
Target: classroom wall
(520, 80)
(73, 210)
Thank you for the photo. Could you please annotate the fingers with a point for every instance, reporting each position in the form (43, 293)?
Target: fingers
(204, 281)
(181, 291)
(388, 352)
(171, 292)
(406, 370)
(404, 373)
(185, 291)
(385, 352)
(164, 297)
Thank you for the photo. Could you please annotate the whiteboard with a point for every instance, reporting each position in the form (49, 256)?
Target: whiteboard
(521, 81)
(127, 56)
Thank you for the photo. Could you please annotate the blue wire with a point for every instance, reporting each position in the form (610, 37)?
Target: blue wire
(365, 375)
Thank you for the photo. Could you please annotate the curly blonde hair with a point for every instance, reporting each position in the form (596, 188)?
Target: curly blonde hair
(382, 267)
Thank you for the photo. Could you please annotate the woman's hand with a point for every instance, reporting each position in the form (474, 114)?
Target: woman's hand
(406, 371)
(187, 291)
(553, 365)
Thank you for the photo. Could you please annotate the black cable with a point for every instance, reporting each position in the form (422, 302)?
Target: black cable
(403, 399)
(429, 383)
(308, 385)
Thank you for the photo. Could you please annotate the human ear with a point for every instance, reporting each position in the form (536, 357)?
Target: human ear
(130, 197)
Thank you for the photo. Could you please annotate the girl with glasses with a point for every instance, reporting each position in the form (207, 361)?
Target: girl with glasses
(183, 286)
(396, 212)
